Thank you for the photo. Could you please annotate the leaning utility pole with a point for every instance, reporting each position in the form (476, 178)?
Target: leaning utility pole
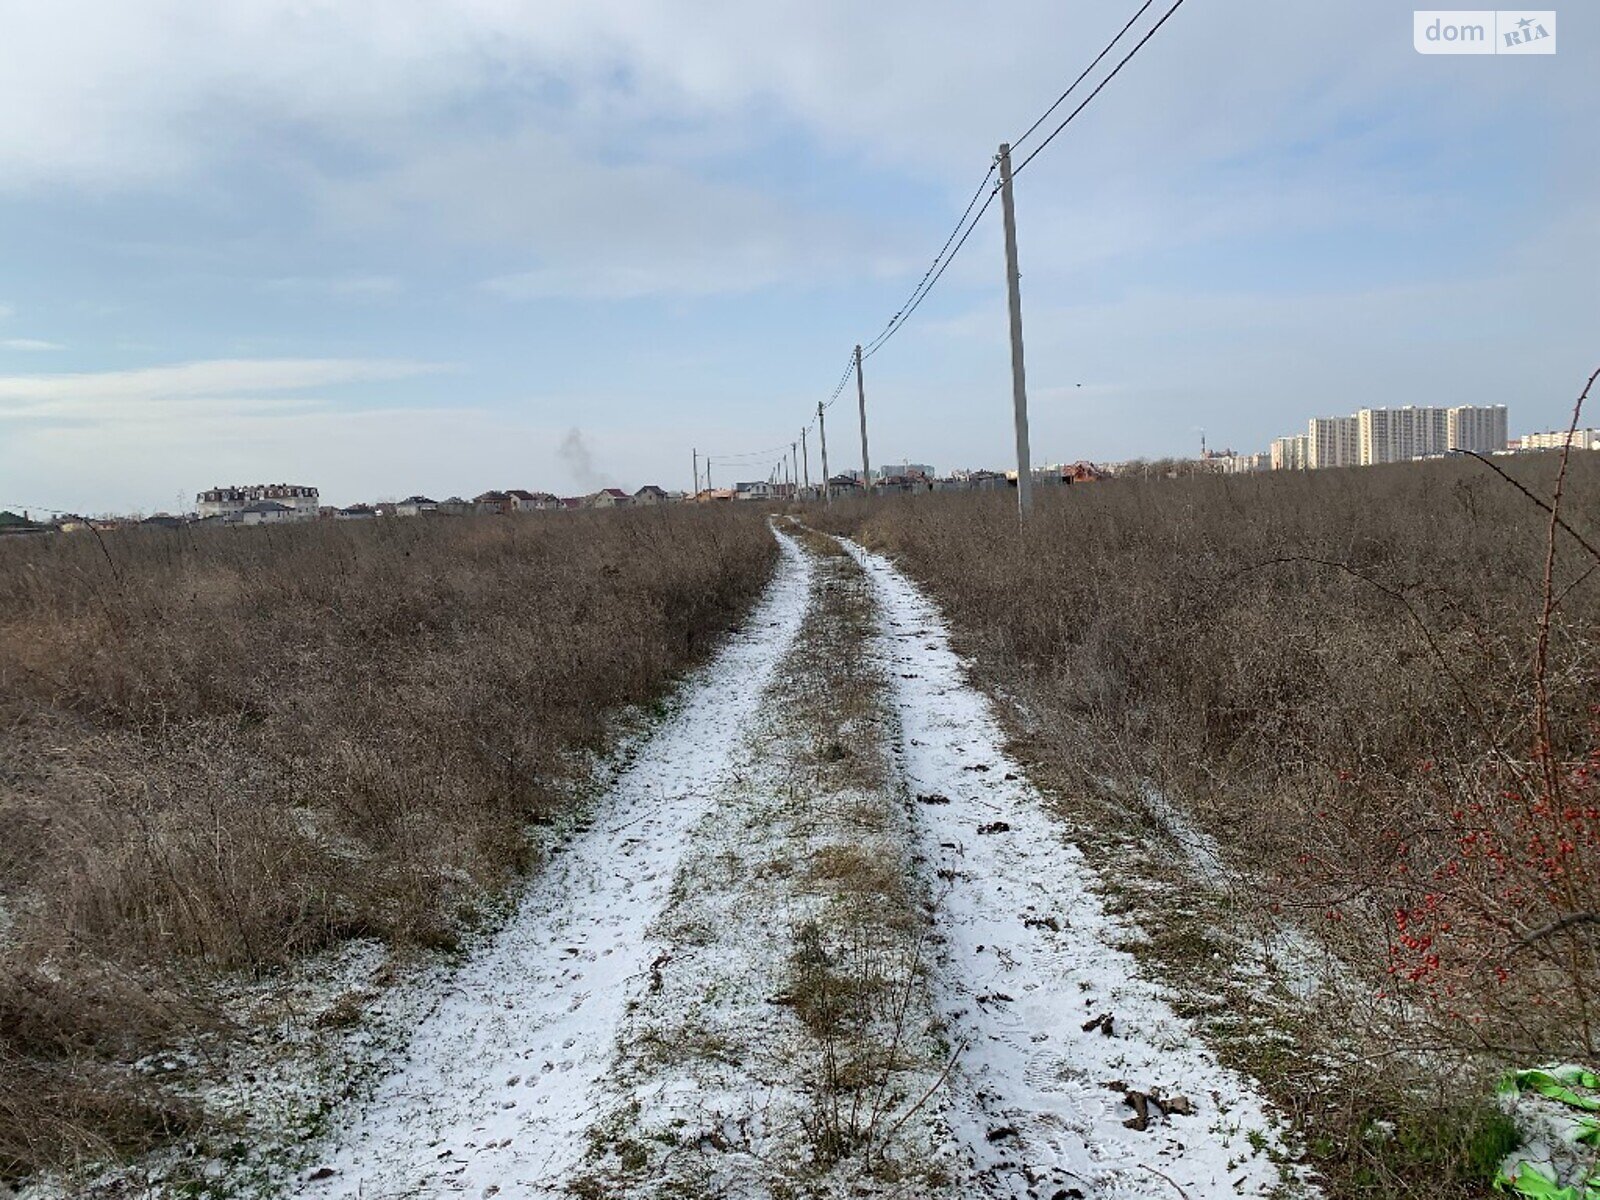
(805, 460)
(822, 435)
(861, 399)
(1019, 381)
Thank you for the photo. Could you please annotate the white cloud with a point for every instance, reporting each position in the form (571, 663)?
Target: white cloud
(152, 390)
(94, 89)
(211, 376)
(591, 139)
(29, 344)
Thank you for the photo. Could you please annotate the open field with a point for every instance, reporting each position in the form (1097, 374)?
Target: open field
(818, 935)
(223, 752)
(1299, 714)
(1273, 843)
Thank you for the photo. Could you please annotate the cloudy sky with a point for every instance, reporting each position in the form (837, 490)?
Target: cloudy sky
(386, 246)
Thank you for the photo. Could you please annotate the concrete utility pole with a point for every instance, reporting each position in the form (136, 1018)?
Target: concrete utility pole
(822, 435)
(861, 399)
(708, 472)
(1019, 380)
(696, 491)
(794, 470)
(805, 460)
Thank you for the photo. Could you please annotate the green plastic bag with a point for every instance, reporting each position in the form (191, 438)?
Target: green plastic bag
(1558, 1084)
(1528, 1180)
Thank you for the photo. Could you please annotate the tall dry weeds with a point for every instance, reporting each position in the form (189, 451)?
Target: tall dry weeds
(225, 749)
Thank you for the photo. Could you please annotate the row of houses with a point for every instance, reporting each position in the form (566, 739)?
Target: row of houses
(516, 500)
(907, 480)
(910, 479)
(278, 504)
(286, 503)
(13, 524)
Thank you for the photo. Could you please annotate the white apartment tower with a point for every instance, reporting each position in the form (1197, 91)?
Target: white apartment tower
(1333, 442)
(1289, 453)
(1481, 429)
(1402, 434)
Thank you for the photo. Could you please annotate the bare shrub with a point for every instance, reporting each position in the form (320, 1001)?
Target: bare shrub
(225, 749)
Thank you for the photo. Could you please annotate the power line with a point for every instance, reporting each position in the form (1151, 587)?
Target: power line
(947, 254)
(757, 456)
(753, 457)
(1045, 116)
(849, 367)
(55, 512)
(1098, 88)
(969, 219)
(865, 354)
(928, 284)
(915, 297)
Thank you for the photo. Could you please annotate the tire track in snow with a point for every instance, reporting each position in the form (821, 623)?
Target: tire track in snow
(1030, 958)
(500, 1084)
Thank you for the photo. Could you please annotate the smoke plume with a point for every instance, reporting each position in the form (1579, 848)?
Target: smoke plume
(574, 455)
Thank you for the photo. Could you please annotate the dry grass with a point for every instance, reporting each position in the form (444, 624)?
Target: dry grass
(1335, 674)
(226, 749)
(856, 972)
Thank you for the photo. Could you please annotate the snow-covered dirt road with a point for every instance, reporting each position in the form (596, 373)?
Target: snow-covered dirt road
(502, 1079)
(829, 812)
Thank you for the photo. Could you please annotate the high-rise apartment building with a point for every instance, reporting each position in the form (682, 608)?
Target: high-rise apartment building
(1386, 435)
(1289, 453)
(1401, 434)
(1479, 428)
(1333, 442)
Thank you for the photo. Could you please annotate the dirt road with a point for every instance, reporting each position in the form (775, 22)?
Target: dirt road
(822, 938)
